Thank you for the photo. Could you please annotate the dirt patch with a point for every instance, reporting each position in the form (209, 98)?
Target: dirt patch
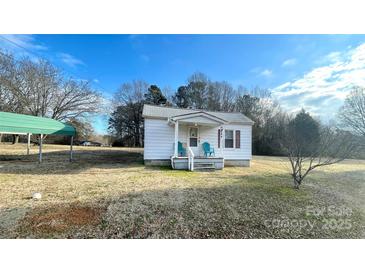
(61, 219)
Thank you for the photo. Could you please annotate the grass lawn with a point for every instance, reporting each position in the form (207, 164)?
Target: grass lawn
(109, 193)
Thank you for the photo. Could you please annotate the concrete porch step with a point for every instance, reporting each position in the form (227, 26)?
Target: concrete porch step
(204, 166)
(204, 169)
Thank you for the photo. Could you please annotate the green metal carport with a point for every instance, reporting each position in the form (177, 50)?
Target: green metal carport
(20, 124)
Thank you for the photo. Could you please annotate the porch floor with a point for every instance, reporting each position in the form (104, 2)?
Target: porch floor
(198, 157)
(200, 162)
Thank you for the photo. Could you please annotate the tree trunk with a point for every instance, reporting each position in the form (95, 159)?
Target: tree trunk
(15, 139)
(296, 183)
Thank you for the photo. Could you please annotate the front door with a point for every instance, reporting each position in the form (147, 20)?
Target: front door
(194, 140)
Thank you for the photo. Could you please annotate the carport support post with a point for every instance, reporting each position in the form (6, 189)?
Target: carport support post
(40, 147)
(28, 143)
(71, 148)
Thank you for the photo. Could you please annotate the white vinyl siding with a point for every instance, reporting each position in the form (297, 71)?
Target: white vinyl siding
(245, 150)
(159, 139)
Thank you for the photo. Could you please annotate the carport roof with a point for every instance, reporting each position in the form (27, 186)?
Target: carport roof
(13, 123)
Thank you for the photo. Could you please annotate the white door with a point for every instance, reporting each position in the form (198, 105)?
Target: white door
(193, 140)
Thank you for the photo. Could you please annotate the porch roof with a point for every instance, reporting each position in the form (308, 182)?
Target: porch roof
(200, 118)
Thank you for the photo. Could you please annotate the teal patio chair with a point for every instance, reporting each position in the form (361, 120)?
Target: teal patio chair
(208, 150)
(181, 151)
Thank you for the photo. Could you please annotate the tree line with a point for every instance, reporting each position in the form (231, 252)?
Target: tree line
(200, 92)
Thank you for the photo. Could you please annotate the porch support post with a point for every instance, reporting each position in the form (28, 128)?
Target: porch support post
(71, 148)
(222, 142)
(176, 138)
(40, 147)
(28, 143)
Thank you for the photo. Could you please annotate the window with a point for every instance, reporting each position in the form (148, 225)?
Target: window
(228, 141)
(193, 137)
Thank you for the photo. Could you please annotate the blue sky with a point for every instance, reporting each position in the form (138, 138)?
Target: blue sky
(311, 71)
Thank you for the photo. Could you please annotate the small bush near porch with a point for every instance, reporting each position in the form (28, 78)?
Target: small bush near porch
(109, 193)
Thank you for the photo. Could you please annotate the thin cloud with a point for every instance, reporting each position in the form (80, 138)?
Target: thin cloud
(266, 73)
(70, 60)
(289, 62)
(323, 89)
(334, 56)
(262, 72)
(21, 44)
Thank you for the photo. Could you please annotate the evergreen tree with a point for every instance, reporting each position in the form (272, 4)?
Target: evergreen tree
(181, 98)
(304, 133)
(154, 96)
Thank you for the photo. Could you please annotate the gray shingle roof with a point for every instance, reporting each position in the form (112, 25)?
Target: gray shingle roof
(167, 112)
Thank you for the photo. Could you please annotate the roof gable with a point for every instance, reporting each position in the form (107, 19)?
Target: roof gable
(201, 114)
(201, 120)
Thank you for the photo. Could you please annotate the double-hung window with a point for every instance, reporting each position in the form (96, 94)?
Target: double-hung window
(193, 137)
(228, 139)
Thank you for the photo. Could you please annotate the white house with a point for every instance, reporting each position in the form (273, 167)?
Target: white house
(179, 137)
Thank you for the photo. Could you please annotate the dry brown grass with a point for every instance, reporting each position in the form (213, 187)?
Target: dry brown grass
(133, 201)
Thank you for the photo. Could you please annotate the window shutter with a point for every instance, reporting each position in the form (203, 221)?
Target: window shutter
(238, 138)
(219, 138)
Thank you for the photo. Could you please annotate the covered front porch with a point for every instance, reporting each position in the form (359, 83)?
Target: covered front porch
(196, 142)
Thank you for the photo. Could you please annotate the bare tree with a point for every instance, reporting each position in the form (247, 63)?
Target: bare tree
(8, 75)
(130, 92)
(308, 146)
(126, 121)
(84, 130)
(352, 114)
(198, 87)
(38, 88)
(221, 96)
(268, 117)
(74, 99)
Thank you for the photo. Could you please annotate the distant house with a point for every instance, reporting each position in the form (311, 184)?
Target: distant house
(90, 144)
(196, 139)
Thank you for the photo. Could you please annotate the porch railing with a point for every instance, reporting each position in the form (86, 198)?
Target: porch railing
(190, 159)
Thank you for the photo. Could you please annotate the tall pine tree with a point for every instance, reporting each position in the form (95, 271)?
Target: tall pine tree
(154, 96)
